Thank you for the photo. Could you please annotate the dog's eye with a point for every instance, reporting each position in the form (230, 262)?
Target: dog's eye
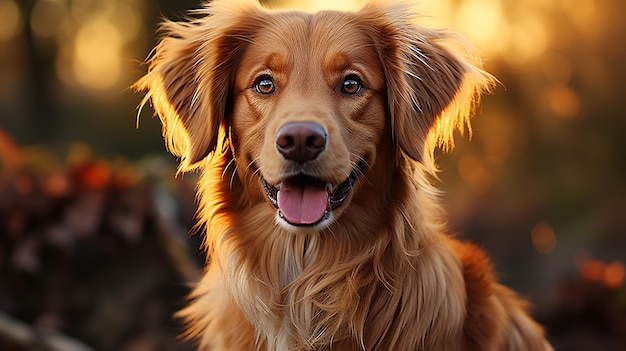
(265, 85)
(351, 85)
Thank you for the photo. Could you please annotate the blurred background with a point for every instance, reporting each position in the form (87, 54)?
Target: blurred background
(95, 251)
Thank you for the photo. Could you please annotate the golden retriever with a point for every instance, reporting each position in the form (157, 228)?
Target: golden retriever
(314, 136)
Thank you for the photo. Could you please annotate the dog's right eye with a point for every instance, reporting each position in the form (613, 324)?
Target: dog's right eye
(265, 85)
(351, 85)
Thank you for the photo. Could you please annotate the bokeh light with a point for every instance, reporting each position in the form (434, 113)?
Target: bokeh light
(481, 21)
(95, 39)
(543, 238)
(48, 17)
(612, 275)
(10, 20)
(563, 101)
(96, 56)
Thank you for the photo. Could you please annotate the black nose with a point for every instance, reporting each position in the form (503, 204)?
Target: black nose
(301, 141)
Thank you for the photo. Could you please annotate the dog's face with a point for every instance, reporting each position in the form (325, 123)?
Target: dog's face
(309, 112)
(308, 104)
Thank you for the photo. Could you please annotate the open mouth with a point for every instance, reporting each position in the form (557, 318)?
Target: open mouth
(302, 200)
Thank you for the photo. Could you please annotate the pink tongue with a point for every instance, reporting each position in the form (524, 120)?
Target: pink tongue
(301, 201)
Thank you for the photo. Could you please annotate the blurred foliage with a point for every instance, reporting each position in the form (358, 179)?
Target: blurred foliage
(88, 233)
(94, 248)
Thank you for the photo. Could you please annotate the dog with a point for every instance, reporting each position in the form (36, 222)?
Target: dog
(314, 136)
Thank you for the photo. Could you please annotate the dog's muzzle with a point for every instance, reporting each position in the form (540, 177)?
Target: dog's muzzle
(303, 200)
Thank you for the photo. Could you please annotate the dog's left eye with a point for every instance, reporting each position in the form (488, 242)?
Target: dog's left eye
(264, 85)
(351, 85)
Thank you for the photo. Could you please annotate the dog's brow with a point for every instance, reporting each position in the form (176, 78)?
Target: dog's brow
(337, 61)
(277, 62)
(361, 54)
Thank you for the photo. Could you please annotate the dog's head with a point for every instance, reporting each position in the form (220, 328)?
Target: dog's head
(309, 103)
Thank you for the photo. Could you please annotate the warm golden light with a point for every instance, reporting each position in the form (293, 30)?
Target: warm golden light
(582, 13)
(481, 22)
(10, 20)
(96, 57)
(94, 36)
(563, 101)
(528, 39)
(317, 5)
(435, 14)
(93, 39)
(518, 34)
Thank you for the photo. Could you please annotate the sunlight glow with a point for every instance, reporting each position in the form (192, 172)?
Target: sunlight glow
(481, 21)
(317, 5)
(583, 12)
(94, 35)
(93, 41)
(96, 59)
(528, 39)
(517, 32)
(435, 14)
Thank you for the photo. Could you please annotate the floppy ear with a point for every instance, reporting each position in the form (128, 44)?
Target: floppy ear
(433, 82)
(191, 74)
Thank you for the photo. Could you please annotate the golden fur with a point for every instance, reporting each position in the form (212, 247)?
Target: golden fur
(380, 273)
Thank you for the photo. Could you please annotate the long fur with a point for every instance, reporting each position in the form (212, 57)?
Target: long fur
(384, 275)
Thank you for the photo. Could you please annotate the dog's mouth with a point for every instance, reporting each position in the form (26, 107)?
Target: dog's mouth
(303, 200)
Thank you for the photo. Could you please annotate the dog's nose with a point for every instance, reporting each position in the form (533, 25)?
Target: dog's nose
(301, 141)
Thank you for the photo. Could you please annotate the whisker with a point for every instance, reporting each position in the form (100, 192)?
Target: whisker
(232, 160)
(253, 163)
(356, 166)
(232, 178)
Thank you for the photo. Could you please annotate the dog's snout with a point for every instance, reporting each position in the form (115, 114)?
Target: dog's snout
(301, 141)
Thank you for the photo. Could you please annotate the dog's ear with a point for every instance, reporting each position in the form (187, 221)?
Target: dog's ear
(433, 81)
(191, 74)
